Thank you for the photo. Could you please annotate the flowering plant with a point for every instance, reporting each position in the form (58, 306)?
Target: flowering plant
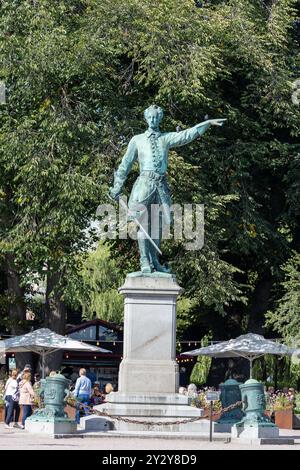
(2, 388)
(71, 400)
(281, 401)
(203, 403)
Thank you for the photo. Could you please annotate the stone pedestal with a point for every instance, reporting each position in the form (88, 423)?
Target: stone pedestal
(149, 363)
(149, 375)
(51, 426)
(258, 431)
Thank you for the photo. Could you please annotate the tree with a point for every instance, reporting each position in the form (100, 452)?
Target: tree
(52, 135)
(79, 75)
(285, 318)
(236, 59)
(98, 292)
(201, 369)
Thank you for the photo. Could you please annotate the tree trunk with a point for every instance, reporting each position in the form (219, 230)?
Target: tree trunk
(17, 307)
(55, 318)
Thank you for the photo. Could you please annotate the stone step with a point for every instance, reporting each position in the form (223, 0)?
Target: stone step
(150, 410)
(141, 424)
(149, 398)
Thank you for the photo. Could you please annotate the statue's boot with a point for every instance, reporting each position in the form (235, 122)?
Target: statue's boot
(144, 259)
(156, 265)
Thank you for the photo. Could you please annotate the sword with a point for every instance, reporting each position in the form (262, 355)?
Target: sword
(138, 223)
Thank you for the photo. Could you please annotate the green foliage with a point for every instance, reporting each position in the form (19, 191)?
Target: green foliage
(101, 278)
(295, 376)
(288, 373)
(53, 132)
(297, 403)
(285, 318)
(201, 369)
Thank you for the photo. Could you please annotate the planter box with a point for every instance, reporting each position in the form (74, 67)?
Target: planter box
(2, 414)
(217, 416)
(70, 412)
(284, 419)
(296, 422)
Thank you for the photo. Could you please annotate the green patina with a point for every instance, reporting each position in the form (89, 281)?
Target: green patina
(254, 405)
(230, 395)
(151, 150)
(54, 391)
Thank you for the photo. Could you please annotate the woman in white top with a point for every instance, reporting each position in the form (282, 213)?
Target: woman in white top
(13, 409)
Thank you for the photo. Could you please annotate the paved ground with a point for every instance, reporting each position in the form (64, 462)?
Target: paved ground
(20, 440)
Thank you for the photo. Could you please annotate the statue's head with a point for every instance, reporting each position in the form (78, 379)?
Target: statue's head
(153, 116)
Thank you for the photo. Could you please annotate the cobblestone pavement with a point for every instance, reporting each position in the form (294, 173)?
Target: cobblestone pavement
(20, 440)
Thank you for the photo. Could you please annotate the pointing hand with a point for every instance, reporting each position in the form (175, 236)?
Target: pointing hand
(216, 122)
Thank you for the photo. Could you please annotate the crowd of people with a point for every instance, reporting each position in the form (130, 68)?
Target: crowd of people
(22, 392)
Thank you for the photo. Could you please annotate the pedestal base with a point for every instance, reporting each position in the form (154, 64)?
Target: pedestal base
(95, 423)
(223, 427)
(51, 427)
(263, 431)
(149, 409)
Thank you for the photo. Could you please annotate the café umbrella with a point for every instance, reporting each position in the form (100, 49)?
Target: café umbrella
(250, 347)
(45, 342)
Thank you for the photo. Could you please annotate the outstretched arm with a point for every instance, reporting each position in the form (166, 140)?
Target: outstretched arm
(177, 139)
(124, 169)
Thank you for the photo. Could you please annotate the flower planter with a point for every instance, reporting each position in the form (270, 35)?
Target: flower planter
(217, 416)
(2, 414)
(284, 419)
(70, 412)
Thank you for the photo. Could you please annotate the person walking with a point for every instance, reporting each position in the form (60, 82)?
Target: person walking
(26, 397)
(82, 392)
(12, 400)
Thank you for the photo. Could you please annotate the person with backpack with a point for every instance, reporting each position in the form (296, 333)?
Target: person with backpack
(12, 399)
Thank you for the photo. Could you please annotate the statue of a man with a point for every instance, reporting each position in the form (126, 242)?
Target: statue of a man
(151, 149)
